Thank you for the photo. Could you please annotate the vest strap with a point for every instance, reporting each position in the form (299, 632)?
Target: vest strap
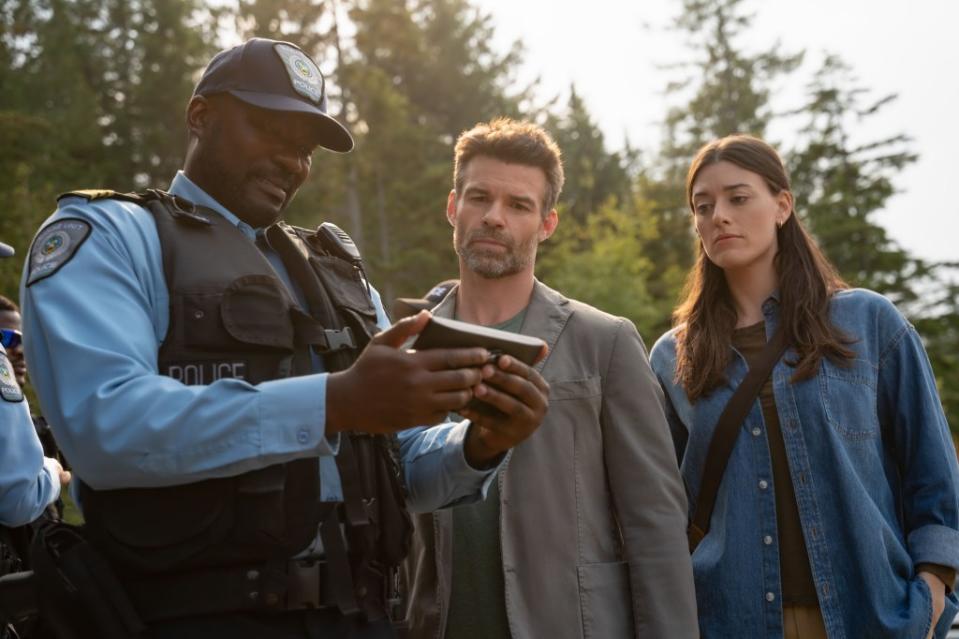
(341, 573)
(323, 340)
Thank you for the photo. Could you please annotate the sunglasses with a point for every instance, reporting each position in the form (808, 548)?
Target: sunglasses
(10, 338)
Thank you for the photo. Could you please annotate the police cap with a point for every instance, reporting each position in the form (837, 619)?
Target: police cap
(278, 76)
(405, 306)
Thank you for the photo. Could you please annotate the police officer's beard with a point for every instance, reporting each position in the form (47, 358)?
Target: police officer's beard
(494, 264)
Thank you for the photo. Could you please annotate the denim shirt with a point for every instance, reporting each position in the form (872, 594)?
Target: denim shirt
(874, 471)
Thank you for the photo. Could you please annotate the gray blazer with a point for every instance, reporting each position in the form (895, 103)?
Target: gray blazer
(593, 511)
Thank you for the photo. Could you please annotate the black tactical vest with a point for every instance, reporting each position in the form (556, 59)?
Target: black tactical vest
(232, 316)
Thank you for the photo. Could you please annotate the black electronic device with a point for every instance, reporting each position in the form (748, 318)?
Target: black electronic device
(441, 332)
(338, 242)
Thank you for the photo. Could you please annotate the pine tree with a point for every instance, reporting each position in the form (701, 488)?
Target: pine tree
(840, 184)
(727, 90)
(93, 96)
(593, 174)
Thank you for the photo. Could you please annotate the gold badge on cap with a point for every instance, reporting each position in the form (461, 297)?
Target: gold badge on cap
(304, 75)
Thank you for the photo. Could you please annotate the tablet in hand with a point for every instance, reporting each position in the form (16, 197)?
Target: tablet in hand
(441, 332)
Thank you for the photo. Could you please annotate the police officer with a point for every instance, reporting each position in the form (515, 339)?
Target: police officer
(201, 365)
(12, 324)
(29, 482)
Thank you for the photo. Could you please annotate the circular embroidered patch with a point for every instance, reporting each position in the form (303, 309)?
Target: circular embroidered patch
(55, 246)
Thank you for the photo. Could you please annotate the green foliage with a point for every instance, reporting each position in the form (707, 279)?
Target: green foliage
(939, 326)
(726, 90)
(593, 174)
(730, 88)
(600, 261)
(839, 181)
(839, 185)
(93, 95)
(417, 73)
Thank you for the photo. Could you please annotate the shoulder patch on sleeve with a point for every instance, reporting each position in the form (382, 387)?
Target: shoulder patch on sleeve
(55, 246)
(9, 389)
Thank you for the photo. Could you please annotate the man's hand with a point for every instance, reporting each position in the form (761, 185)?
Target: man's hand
(938, 590)
(521, 396)
(64, 475)
(388, 389)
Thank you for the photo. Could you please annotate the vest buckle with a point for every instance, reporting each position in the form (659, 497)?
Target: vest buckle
(338, 340)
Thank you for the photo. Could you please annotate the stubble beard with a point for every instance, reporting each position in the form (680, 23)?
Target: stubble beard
(493, 264)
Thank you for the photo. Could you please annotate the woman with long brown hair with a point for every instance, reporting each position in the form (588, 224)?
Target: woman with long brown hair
(835, 509)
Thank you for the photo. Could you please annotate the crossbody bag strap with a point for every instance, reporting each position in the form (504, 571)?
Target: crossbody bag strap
(725, 434)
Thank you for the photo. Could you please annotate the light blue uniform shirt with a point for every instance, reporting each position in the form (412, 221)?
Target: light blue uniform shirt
(29, 482)
(93, 330)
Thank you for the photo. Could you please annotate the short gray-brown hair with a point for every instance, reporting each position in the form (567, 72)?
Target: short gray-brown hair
(514, 142)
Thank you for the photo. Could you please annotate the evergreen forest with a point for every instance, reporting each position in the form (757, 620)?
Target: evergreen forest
(93, 93)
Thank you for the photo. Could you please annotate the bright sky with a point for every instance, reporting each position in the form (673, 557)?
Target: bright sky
(610, 50)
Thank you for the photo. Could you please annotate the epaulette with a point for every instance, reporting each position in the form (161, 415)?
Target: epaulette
(104, 194)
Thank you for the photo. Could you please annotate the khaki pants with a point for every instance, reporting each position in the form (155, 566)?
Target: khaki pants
(803, 622)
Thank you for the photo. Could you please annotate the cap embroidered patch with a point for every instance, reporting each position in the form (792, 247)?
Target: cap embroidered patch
(55, 246)
(304, 74)
(9, 389)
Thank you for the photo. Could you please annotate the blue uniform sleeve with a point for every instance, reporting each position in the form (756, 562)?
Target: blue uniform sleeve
(28, 481)
(909, 408)
(437, 473)
(92, 332)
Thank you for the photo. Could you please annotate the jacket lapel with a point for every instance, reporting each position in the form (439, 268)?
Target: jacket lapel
(546, 317)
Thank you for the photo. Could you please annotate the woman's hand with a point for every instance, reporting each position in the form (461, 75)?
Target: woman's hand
(938, 590)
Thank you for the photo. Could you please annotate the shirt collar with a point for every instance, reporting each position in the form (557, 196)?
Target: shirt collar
(771, 303)
(187, 189)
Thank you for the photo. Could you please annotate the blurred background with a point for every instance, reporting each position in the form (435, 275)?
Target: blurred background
(854, 94)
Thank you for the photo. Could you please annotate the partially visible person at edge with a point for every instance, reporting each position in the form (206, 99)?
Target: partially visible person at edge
(583, 533)
(11, 321)
(407, 306)
(838, 511)
(202, 363)
(29, 481)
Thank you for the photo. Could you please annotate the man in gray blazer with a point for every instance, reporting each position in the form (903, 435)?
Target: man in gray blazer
(583, 534)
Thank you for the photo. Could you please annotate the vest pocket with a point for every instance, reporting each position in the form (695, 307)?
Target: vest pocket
(255, 310)
(575, 389)
(197, 319)
(156, 529)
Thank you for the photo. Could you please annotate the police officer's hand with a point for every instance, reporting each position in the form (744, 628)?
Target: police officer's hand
(521, 397)
(64, 475)
(389, 389)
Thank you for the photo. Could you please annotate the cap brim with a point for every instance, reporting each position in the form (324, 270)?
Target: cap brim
(6, 250)
(406, 306)
(332, 135)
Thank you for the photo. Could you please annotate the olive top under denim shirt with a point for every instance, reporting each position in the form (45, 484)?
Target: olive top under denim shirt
(875, 476)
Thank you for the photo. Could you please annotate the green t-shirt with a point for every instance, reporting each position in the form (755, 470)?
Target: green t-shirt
(477, 601)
